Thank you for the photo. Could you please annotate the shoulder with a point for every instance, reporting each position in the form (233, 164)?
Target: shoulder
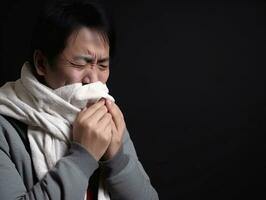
(10, 132)
(5, 129)
(8, 124)
(5, 126)
(3, 121)
(11, 124)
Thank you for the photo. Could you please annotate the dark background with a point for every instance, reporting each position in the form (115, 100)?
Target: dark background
(189, 78)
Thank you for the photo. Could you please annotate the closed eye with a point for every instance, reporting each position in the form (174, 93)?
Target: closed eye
(77, 65)
(103, 67)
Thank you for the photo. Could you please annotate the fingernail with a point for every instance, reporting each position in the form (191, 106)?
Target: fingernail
(100, 100)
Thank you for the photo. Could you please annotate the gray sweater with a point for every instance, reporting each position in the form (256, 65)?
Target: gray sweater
(69, 179)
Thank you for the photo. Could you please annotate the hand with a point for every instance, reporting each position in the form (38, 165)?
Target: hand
(93, 129)
(118, 127)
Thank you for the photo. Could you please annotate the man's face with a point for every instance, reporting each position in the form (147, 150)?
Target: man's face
(84, 60)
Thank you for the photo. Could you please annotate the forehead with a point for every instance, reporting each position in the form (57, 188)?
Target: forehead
(87, 41)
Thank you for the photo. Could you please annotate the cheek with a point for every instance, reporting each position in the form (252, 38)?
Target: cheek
(103, 76)
(71, 76)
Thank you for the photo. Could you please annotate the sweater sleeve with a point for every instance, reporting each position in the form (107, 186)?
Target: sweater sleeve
(125, 177)
(68, 180)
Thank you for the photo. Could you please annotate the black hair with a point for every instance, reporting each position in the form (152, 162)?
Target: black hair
(59, 18)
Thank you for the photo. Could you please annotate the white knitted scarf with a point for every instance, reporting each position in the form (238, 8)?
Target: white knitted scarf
(49, 115)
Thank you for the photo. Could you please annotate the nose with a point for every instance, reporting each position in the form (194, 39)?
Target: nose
(90, 75)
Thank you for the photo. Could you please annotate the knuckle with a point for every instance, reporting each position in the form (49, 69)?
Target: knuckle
(79, 122)
(97, 130)
(107, 136)
(104, 138)
(88, 124)
(104, 109)
(108, 116)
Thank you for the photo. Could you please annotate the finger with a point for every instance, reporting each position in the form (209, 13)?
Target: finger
(108, 127)
(115, 112)
(105, 121)
(92, 109)
(91, 103)
(80, 113)
(95, 117)
(115, 106)
(113, 126)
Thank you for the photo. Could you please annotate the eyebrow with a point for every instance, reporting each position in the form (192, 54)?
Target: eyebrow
(90, 58)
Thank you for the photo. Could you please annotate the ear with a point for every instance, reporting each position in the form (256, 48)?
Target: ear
(40, 62)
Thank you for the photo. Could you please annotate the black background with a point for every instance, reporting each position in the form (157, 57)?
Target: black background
(189, 78)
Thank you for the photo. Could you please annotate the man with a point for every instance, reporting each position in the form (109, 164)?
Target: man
(62, 136)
